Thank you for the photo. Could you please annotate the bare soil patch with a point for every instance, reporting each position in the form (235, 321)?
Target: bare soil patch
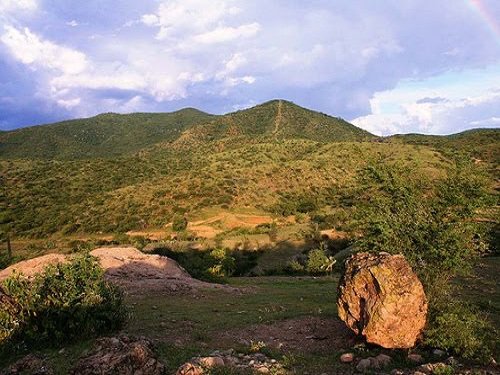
(307, 335)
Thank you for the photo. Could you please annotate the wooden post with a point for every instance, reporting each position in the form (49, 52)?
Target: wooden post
(9, 248)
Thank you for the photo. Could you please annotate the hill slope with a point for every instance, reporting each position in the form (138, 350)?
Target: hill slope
(106, 135)
(110, 135)
(482, 144)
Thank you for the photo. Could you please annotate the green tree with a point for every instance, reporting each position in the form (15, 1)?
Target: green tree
(179, 223)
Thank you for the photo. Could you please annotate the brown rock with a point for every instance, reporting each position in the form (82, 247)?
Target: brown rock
(189, 368)
(347, 358)
(31, 364)
(122, 355)
(210, 362)
(363, 365)
(381, 298)
(415, 358)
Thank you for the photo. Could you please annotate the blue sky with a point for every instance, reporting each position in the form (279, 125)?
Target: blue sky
(389, 66)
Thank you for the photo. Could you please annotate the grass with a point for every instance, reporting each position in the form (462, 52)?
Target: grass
(183, 326)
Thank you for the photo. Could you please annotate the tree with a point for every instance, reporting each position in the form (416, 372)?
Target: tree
(179, 223)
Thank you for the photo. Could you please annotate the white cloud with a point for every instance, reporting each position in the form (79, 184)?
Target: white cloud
(8, 6)
(73, 23)
(28, 48)
(69, 103)
(226, 34)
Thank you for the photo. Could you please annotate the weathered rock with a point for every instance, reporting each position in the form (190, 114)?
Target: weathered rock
(210, 362)
(31, 364)
(381, 360)
(438, 352)
(364, 364)
(122, 355)
(189, 368)
(381, 298)
(415, 358)
(347, 358)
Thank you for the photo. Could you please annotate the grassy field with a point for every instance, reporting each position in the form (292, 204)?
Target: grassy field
(294, 316)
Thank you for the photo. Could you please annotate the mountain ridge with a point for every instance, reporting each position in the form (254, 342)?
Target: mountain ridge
(103, 135)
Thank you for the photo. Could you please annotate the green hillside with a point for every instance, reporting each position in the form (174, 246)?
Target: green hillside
(106, 135)
(482, 144)
(110, 135)
(115, 173)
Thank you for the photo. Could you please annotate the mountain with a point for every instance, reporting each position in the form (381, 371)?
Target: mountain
(110, 135)
(482, 144)
(114, 173)
(106, 135)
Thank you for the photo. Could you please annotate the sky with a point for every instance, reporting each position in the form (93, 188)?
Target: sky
(388, 66)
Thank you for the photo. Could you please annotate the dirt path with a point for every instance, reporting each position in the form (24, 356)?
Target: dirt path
(277, 121)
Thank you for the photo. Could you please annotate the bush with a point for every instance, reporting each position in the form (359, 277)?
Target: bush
(179, 223)
(65, 302)
(431, 224)
(318, 262)
(457, 327)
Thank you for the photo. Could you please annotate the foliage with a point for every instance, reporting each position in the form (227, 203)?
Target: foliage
(213, 265)
(431, 223)
(456, 326)
(179, 223)
(318, 261)
(65, 302)
(427, 221)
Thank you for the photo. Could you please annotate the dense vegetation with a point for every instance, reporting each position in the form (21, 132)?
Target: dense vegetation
(432, 198)
(65, 302)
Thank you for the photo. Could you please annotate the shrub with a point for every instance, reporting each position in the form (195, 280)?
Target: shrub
(66, 301)
(319, 262)
(179, 223)
(458, 327)
(431, 224)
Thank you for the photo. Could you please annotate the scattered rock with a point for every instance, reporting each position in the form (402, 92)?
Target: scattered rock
(438, 352)
(31, 364)
(430, 368)
(347, 358)
(452, 362)
(415, 358)
(364, 364)
(381, 298)
(209, 362)
(381, 360)
(189, 369)
(397, 372)
(119, 355)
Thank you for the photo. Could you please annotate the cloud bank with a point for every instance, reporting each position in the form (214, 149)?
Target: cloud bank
(389, 67)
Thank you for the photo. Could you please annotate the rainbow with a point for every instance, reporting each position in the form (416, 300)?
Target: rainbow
(490, 22)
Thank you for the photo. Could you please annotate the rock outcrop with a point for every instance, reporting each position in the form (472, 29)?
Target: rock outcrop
(127, 267)
(120, 355)
(381, 298)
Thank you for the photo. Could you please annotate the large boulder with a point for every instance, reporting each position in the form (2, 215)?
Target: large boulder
(120, 355)
(382, 299)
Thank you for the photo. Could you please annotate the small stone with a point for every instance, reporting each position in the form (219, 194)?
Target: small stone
(251, 363)
(364, 364)
(397, 372)
(381, 360)
(189, 369)
(273, 361)
(210, 362)
(452, 362)
(415, 358)
(419, 373)
(426, 368)
(263, 370)
(62, 351)
(438, 352)
(347, 358)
